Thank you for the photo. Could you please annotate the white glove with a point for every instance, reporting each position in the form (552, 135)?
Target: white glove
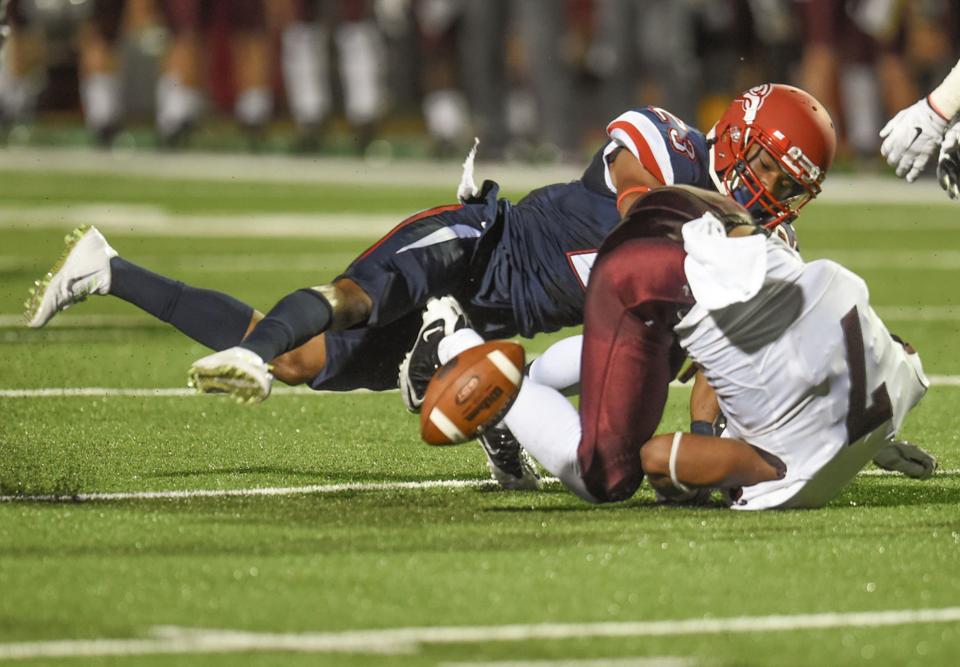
(948, 167)
(911, 137)
(900, 456)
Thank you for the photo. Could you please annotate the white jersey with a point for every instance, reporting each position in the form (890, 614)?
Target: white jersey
(805, 370)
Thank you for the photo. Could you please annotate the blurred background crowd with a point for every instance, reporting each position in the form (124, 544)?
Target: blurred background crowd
(534, 79)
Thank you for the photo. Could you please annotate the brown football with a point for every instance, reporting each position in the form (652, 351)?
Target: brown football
(471, 391)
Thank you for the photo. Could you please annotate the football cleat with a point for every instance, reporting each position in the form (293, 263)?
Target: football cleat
(441, 318)
(235, 371)
(509, 463)
(83, 269)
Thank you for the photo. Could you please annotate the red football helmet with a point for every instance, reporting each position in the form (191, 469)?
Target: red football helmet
(793, 128)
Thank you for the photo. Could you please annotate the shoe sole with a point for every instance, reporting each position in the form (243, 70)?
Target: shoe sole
(406, 393)
(240, 385)
(40, 287)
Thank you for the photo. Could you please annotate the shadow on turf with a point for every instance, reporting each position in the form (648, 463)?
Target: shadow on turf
(893, 493)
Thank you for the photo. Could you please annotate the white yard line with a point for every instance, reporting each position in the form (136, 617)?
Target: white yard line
(639, 661)
(878, 472)
(310, 489)
(78, 321)
(168, 640)
(317, 489)
(155, 221)
(314, 260)
(160, 392)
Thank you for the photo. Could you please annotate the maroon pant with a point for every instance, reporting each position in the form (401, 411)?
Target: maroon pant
(636, 293)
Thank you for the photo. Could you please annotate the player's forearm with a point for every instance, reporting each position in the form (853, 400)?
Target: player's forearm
(631, 179)
(703, 401)
(945, 98)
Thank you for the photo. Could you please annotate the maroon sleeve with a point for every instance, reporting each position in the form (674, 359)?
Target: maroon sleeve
(630, 353)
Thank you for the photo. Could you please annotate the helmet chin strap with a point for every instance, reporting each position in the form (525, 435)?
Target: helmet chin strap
(743, 194)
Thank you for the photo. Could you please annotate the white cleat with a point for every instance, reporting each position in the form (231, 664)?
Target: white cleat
(83, 269)
(235, 371)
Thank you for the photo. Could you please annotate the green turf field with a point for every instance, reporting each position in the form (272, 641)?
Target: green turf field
(364, 546)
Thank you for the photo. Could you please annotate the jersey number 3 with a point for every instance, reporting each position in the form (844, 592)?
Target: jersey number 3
(861, 419)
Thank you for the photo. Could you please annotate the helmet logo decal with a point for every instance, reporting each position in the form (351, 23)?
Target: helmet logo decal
(752, 100)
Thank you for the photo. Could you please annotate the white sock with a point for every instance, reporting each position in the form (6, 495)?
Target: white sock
(559, 367)
(548, 427)
(177, 104)
(101, 100)
(360, 66)
(457, 342)
(862, 107)
(253, 106)
(522, 115)
(18, 94)
(305, 72)
(545, 423)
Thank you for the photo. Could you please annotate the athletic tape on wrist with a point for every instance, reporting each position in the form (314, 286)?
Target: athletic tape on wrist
(674, 448)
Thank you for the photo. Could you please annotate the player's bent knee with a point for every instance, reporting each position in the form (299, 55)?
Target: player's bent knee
(655, 455)
(349, 304)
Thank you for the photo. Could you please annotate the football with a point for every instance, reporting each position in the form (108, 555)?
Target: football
(471, 391)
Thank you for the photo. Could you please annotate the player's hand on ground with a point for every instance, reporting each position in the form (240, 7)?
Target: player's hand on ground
(905, 457)
(911, 137)
(948, 167)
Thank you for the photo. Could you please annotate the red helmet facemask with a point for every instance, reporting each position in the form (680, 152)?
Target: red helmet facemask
(794, 130)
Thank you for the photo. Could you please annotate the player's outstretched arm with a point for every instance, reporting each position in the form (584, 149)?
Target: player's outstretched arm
(915, 133)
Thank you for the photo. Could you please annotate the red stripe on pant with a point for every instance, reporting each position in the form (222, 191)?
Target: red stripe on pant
(409, 221)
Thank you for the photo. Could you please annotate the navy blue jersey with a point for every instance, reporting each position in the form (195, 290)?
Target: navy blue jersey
(516, 268)
(539, 268)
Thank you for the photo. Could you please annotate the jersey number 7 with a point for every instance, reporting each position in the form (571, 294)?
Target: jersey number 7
(861, 419)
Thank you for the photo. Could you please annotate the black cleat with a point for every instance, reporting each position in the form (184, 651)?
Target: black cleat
(509, 463)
